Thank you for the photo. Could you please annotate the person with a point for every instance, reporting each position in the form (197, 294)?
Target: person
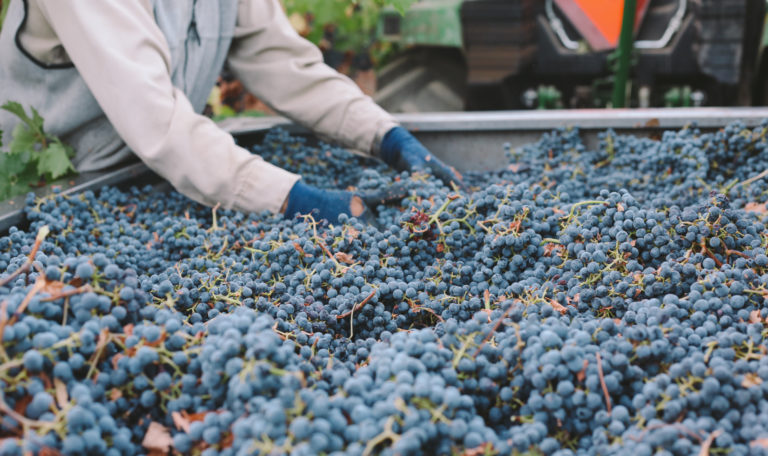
(114, 78)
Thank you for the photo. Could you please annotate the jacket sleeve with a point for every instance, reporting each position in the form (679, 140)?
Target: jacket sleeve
(287, 72)
(124, 59)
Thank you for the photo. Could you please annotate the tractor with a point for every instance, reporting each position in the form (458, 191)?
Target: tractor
(549, 54)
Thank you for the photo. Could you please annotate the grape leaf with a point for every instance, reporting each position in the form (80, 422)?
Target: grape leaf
(12, 164)
(54, 161)
(16, 109)
(33, 155)
(35, 123)
(24, 140)
(16, 175)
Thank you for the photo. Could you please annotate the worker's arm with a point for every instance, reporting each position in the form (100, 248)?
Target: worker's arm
(124, 59)
(287, 72)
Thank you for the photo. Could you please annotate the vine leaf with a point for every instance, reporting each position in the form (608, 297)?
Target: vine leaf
(54, 161)
(24, 140)
(33, 156)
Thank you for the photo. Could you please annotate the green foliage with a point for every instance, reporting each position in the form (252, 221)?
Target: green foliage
(400, 5)
(227, 112)
(354, 21)
(3, 11)
(33, 155)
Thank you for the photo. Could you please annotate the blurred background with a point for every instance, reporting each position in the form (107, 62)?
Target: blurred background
(470, 55)
(454, 55)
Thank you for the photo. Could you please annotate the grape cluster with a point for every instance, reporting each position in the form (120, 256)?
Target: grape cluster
(606, 301)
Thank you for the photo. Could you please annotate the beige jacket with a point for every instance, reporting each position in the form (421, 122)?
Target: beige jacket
(124, 59)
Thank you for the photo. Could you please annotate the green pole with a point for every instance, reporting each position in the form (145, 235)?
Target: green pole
(624, 54)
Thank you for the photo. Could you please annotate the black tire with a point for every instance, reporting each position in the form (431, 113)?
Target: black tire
(423, 80)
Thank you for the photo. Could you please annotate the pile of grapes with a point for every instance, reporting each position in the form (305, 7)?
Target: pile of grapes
(608, 301)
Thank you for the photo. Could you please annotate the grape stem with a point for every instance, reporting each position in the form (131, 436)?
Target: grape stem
(752, 179)
(708, 442)
(3, 321)
(602, 382)
(66, 294)
(572, 213)
(41, 234)
(39, 285)
(26, 422)
(357, 306)
(215, 225)
(387, 434)
(493, 330)
(678, 426)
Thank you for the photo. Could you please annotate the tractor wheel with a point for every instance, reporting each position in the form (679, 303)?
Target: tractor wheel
(423, 80)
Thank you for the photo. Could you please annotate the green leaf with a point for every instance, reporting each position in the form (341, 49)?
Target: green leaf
(1, 138)
(37, 120)
(35, 123)
(24, 181)
(16, 175)
(3, 11)
(18, 110)
(12, 164)
(54, 161)
(24, 140)
(33, 155)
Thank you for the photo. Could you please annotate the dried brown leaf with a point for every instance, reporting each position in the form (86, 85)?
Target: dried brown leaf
(758, 208)
(582, 374)
(751, 379)
(199, 416)
(52, 287)
(653, 122)
(21, 405)
(344, 257)
(157, 438)
(62, 397)
(116, 359)
(180, 421)
(557, 306)
(115, 394)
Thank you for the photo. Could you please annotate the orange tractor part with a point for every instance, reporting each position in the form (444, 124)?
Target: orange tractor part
(599, 21)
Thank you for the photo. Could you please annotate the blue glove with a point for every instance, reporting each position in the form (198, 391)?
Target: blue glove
(400, 150)
(322, 204)
(329, 204)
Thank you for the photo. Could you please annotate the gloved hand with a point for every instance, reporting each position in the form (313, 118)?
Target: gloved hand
(329, 204)
(400, 150)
